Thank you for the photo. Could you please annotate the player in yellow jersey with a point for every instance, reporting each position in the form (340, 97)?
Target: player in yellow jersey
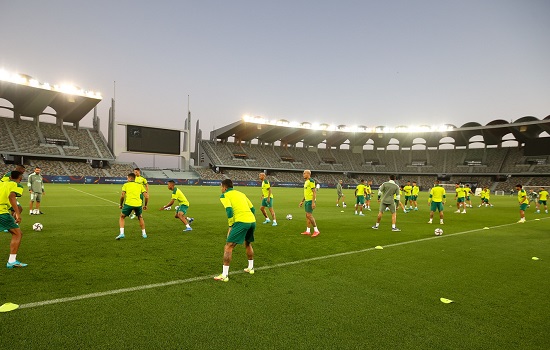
(414, 195)
(183, 205)
(140, 180)
(460, 197)
(242, 224)
(360, 194)
(308, 202)
(543, 198)
(523, 202)
(437, 201)
(6, 178)
(267, 200)
(131, 202)
(408, 194)
(9, 191)
(368, 198)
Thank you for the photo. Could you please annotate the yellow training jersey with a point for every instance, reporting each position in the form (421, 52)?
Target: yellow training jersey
(460, 192)
(408, 190)
(133, 192)
(178, 195)
(309, 188)
(437, 194)
(415, 190)
(265, 189)
(6, 189)
(141, 180)
(237, 207)
(360, 190)
(543, 195)
(522, 197)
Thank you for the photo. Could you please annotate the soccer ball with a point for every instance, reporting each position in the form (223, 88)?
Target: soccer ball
(168, 208)
(36, 212)
(344, 205)
(37, 227)
(289, 216)
(438, 231)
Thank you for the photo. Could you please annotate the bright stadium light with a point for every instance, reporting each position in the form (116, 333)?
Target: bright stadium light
(23, 79)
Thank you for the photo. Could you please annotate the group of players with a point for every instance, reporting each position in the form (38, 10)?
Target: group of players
(11, 210)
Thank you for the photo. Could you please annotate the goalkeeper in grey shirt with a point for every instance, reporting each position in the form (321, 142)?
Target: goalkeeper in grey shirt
(388, 194)
(36, 188)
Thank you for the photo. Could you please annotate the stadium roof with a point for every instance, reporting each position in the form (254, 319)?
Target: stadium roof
(522, 129)
(30, 98)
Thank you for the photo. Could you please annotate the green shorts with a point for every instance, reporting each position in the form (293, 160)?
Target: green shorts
(414, 198)
(241, 231)
(127, 210)
(368, 197)
(467, 198)
(360, 200)
(182, 209)
(267, 204)
(523, 206)
(436, 206)
(460, 200)
(542, 202)
(7, 222)
(308, 206)
(485, 200)
(408, 198)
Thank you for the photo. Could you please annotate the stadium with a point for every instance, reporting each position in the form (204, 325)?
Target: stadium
(499, 154)
(469, 287)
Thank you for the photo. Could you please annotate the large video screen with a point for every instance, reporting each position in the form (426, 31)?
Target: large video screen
(537, 147)
(152, 140)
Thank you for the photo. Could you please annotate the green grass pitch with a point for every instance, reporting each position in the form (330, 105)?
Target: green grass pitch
(84, 290)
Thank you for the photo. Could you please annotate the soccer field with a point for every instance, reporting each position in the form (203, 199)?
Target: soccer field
(83, 289)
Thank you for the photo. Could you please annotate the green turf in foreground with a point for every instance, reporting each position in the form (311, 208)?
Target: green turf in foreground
(375, 299)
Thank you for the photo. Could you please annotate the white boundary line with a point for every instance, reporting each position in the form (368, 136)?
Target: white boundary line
(202, 278)
(93, 195)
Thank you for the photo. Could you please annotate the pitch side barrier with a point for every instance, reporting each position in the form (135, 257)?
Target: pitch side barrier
(191, 182)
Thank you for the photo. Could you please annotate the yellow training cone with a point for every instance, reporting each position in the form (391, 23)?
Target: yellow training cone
(445, 300)
(535, 258)
(378, 247)
(485, 228)
(8, 307)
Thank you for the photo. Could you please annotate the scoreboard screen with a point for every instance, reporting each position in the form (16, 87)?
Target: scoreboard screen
(537, 147)
(144, 139)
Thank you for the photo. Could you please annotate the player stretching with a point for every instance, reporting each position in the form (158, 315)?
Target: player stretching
(386, 194)
(267, 200)
(9, 191)
(130, 201)
(183, 205)
(309, 204)
(460, 197)
(242, 223)
(523, 203)
(437, 201)
(360, 193)
(543, 198)
(340, 193)
(142, 181)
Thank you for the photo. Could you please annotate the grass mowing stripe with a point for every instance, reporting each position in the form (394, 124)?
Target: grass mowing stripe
(93, 195)
(202, 278)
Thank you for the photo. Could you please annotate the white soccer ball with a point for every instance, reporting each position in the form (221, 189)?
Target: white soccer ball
(344, 205)
(438, 231)
(37, 227)
(36, 212)
(168, 208)
(289, 216)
